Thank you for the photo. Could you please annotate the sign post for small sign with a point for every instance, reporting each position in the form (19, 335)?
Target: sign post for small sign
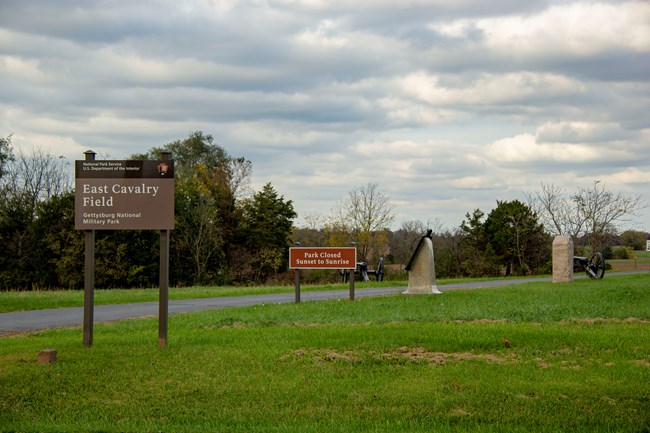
(322, 258)
(296, 284)
(124, 195)
(351, 285)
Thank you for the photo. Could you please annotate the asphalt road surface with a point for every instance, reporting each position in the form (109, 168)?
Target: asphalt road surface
(26, 321)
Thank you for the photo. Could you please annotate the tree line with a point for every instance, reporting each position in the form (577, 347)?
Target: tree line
(227, 234)
(515, 238)
(224, 232)
(509, 240)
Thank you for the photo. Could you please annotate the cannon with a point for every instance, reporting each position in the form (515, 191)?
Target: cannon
(594, 265)
(363, 271)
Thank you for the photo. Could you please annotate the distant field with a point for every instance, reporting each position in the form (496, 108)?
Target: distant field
(542, 357)
(639, 263)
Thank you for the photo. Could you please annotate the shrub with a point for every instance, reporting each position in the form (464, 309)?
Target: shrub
(622, 253)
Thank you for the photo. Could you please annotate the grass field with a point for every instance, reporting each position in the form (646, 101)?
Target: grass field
(578, 361)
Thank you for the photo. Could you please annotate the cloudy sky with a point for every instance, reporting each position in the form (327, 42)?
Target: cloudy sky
(448, 105)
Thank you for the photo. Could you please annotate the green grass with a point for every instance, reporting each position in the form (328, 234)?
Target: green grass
(578, 361)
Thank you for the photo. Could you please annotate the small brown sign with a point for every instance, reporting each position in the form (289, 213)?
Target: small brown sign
(322, 258)
(124, 195)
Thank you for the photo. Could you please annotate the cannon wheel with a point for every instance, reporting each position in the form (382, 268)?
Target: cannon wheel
(595, 266)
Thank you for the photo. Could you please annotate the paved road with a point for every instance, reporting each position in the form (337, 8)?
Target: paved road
(26, 321)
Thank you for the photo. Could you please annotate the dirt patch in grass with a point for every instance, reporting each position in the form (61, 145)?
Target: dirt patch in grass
(482, 321)
(418, 355)
(599, 320)
(642, 362)
(323, 355)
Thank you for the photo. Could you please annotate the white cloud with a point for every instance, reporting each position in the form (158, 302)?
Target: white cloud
(579, 132)
(55, 145)
(279, 135)
(27, 70)
(629, 176)
(525, 148)
(488, 89)
(578, 29)
(326, 34)
(478, 182)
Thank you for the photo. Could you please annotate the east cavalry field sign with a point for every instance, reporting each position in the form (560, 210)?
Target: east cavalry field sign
(119, 195)
(322, 258)
(124, 195)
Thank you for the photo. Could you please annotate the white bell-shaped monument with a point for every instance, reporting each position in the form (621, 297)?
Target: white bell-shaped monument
(422, 269)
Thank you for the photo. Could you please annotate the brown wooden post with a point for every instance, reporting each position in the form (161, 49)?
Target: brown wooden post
(353, 244)
(296, 273)
(163, 303)
(89, 276)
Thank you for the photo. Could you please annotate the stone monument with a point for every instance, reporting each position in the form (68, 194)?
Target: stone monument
(562, 259)
(47, 357)
(421, 269)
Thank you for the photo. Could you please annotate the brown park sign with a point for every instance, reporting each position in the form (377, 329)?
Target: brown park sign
(322, 258)
(124, 195)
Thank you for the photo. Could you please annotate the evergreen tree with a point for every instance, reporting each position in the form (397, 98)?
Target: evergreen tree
(267, 221)
(513, 230)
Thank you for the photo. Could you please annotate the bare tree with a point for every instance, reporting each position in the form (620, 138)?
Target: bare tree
(36, 177)
(313, 220)
(556, 210)
(602, 210)
(368, 214)
(591, 212)
(240, 172)
(5, 153)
